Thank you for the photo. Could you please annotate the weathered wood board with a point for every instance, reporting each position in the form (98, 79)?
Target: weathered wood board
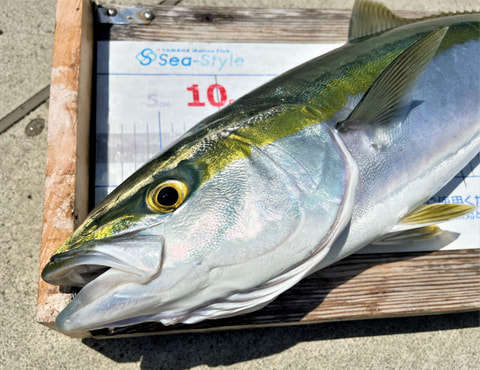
(359, 287)
(176, 23)
(67, 173)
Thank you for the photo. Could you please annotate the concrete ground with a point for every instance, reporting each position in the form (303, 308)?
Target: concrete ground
(26, 41)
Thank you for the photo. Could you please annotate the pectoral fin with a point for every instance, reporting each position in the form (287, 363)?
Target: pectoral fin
(387, 97)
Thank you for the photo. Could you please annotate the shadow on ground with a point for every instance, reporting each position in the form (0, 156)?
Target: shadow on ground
(179, 351)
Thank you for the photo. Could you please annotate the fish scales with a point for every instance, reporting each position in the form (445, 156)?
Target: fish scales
(299, 173)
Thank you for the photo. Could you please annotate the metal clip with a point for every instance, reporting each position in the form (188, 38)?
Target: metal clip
(125, 15)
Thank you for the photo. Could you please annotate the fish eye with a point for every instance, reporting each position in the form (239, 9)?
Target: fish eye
(167, 196)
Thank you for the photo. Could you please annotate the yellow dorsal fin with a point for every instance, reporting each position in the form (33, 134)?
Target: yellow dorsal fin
(433, 213)
(369, 18)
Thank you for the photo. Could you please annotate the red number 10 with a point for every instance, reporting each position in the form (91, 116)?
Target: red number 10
(218, 101)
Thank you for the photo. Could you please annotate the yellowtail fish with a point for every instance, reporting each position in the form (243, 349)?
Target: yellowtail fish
(301, 172)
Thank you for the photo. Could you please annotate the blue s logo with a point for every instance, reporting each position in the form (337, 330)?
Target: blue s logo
(146, 56)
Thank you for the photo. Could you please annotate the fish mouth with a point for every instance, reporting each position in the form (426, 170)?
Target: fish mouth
(108, 272)
(138, 253)
(75, 268)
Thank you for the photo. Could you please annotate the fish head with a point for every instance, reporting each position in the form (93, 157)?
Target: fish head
(215, 226)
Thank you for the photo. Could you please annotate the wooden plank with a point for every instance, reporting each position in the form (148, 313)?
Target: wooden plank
(176, 23)
(359, 287)
(66, 179)
(363, 286)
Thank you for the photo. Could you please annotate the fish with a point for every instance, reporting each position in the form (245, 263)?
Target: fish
(312, 166)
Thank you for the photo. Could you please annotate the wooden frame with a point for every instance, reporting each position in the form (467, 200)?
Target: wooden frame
(359, 287)
(66, 179)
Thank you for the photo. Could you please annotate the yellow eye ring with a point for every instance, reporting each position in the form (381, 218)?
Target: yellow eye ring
(167, 196)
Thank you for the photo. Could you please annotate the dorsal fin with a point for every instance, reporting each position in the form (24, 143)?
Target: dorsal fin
(369, 18)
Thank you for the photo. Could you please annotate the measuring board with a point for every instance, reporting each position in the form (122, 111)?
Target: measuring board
(150, 93)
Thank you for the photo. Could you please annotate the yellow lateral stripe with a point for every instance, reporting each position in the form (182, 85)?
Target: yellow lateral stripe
(350, 80)
(280, 124)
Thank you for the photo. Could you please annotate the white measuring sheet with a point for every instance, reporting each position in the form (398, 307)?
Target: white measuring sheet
(150, 93)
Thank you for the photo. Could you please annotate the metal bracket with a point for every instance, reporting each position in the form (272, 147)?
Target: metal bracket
(124, 15)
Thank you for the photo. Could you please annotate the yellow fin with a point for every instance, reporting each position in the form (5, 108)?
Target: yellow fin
(433, 213)
(410, 235)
